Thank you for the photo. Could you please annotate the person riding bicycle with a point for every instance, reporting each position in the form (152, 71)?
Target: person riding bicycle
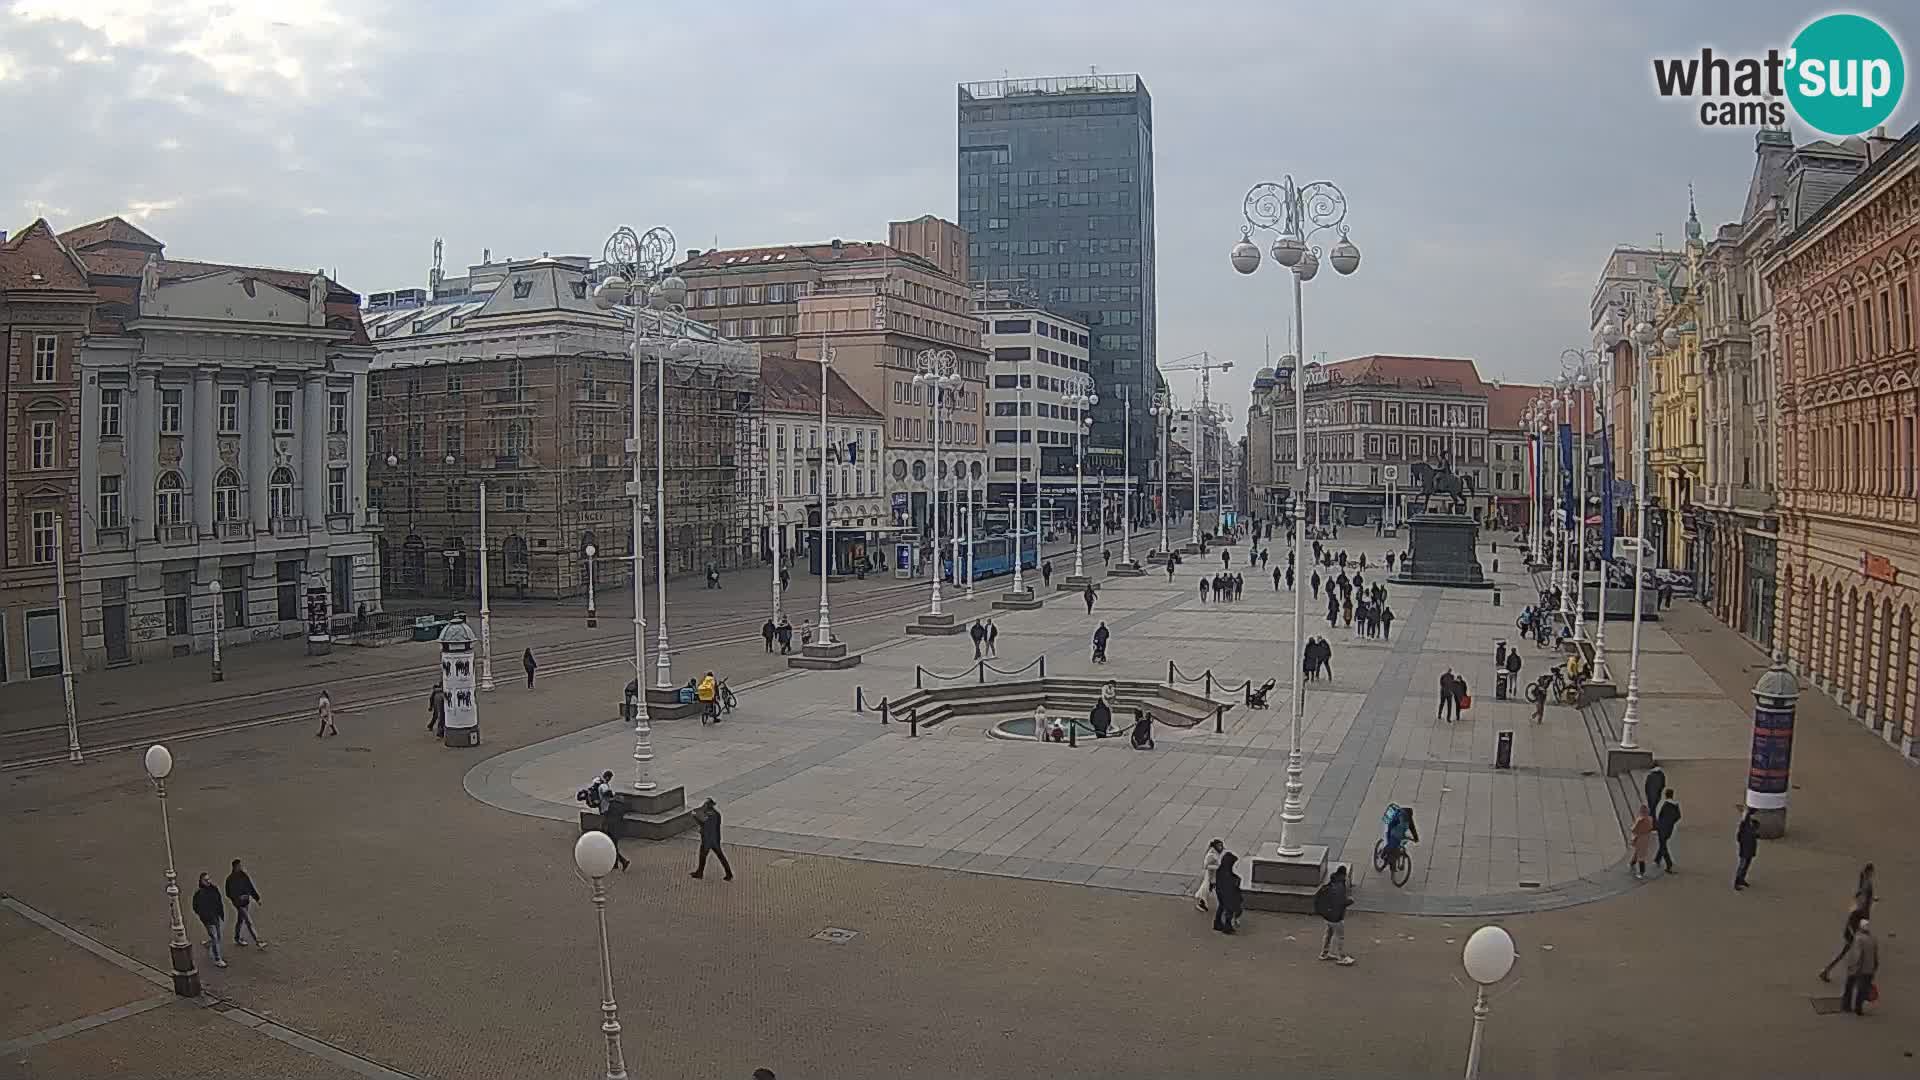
(708, 695)
(1400, 829)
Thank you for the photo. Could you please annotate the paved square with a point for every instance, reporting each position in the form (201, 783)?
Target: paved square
(798, 769)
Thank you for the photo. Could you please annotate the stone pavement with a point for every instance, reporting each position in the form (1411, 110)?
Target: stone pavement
(420, 928)
(798, 770)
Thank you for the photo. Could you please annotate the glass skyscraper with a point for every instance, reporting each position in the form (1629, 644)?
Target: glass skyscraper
(1056, 191)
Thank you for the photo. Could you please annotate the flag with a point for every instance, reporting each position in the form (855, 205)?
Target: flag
(1606, 491)
(1566, 474)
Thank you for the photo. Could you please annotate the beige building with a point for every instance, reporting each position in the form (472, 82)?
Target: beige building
(877, 307)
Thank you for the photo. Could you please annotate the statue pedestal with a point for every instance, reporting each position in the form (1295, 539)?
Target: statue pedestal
(1441, 552)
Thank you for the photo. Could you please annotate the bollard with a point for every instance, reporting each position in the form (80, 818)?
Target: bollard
(1219, 715)
(917, 669)
(1169, 673)
(913, 723)
(1496, 596)
(1209, 678)
(1073, 733)
(859, 699)
(1496, 564)
(886, 714)
(1043, 666)
(981, 666)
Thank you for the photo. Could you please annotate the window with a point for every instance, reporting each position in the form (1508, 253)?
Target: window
(177, 587)
(46, 350)
(729, 328)
(776, 327)
(110, 414)
(286, 589)
(42, 529)
(280, 494)
(337, 490)
(229, 412)
(456, 439)
(226, 496)
(776, 294)
(283, 412)
(456, 383)
(516, 497)
(730, 295)
(43, 445)
(170, 412)
(233, 595)
(753, 294)
(110, 503)
(170, 502)
(337, 412)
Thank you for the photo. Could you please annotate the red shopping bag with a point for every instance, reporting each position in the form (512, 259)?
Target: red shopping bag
(1466, 702)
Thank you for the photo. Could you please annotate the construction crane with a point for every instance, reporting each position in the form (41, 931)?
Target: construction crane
(1205, 412)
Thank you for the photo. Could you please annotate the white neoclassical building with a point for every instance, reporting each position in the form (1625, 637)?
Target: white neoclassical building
(798, 470)
(225, 409)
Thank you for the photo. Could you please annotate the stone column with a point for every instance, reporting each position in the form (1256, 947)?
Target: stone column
(202, 423)
(357, 451)
(143, 449)
(259, 447)
(312, 439)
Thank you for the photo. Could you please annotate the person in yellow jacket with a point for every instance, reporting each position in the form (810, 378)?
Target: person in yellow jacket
(707, 693)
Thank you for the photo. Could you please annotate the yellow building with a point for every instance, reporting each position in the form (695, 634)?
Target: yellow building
(1677, 449)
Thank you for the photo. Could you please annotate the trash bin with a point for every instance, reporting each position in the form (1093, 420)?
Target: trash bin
(1500, 686)
(1503, 751)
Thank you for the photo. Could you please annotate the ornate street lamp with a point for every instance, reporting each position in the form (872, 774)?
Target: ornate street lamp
(1163, 410)
(1488, 956)
(186, 981)
(938, 370)
(594, 854)
(1081, 398)
(1295, 215)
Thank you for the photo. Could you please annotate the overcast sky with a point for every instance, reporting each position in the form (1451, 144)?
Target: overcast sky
(1490, 158)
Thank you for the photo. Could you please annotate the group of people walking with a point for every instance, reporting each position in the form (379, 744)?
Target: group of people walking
(212, 911)
(1224, 588)
(1220, 877)
(780, 633)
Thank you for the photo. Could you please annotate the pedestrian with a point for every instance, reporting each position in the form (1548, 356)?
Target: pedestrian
(1448, 710)
(709, 816)
(1862, 908)
(1642, 840)
(1333, 609)
(1227, 902)
(326, 716)
(978, 632)
(1088, 597)
(1331, 902)
(1276, 580)
(1142, 738)
(713, 577)
(1326, 658)
(1863, 963)
(1540, 710)
(1209, 863)
(786, 636)
(1389, 562)
(768, 632)
(1204, 586)
(1316, 584)
(213, 915)
(241, 891)
(785, 579)
(1239, 585)
(526, 661)
(437, 710)
(1046, 574)
(1100, 636)
(1656, 783)
(1346, 610)
(993, 638)
(1310, 660)
(1226, 560)
(1746, 838)
(613, 817)
(1170, 566)
(1664, 823)
(1386, 622)
(1106, 557)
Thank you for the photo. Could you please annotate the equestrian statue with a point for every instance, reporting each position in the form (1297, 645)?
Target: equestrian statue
(1440, 479)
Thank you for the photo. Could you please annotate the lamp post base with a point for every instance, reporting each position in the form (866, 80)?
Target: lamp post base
(939, 625)
(833, 656)
(186, 981)
(1621, 761)
(1125, 568)
(1017, 600)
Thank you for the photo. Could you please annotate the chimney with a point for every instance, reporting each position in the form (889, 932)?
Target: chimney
(693, 253)
(837, 246)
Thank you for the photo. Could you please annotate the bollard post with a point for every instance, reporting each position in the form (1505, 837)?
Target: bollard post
(913, 723)
(1209, 678)
(1169, 673)
(859, 699)
(916, 677)
(1073, 731)
(885, 714)
(1219, 715)
(981, 666)
(1043, 665)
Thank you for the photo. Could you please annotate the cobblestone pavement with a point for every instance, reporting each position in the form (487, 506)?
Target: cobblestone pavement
(802, 772)
(422, 929)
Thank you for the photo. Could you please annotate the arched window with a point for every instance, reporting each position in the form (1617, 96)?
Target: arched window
(226, 496)
(170, 502)
(280, 493)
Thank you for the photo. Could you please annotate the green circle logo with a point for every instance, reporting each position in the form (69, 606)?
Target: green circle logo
(1846, 74)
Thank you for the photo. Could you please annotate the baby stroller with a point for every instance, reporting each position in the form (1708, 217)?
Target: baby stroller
(1257, 699)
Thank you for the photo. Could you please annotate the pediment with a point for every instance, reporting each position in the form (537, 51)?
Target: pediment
(227, 296)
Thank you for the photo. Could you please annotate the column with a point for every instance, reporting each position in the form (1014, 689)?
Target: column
(143, 449)
(312, 439)
(357, 451)
(202, 422)
(259, 447)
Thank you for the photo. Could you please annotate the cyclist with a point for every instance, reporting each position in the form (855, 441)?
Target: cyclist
(1400, 829)
(707, 693)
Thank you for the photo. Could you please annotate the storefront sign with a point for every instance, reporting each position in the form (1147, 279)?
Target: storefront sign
(1879, 568)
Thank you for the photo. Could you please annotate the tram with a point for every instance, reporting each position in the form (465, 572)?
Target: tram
(993, 555)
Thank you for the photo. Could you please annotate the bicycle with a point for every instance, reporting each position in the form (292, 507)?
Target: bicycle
(727, 700)
(1402, 862)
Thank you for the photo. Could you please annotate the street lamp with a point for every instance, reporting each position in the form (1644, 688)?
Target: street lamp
(1630, 721)
(968, 470)
(1163, 410)
(1020, 476)
(186, 981)
(594, 853)
(1126, 472)
(632, 257)
(1295, 215)
(1488, 957)
(219, 674)
(937, 370)
(1080, 398)
(824, 634)
(593, 618)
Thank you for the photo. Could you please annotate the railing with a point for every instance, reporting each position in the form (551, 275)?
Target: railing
(978, 671)
(234, 530)
(1245, 690)
(178, 534)
(289, 526)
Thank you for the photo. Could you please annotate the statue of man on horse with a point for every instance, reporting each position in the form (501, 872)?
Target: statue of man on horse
(1439, 478)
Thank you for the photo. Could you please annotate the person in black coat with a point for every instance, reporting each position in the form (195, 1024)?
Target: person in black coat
(1100, 635)
(213, 915)
(241, 891)
(1656, 783)
(1663, 825)
(1228, 903)
(1101, 719)
(1142, 730)
(768, 632)
(1747, 838)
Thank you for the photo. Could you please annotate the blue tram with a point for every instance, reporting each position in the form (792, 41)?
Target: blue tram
(993, 555)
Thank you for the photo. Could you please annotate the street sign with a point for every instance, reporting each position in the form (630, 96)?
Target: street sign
(1391, 472)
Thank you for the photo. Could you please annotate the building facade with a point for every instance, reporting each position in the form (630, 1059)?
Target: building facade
(225, 411)
(877, 308)
(1056, 192)
(1039, 358)
(46, 305)
(1265, 491)
(798, 471)
(1371, 419)
(1677, 450)
(1630, 281)
(1509, 486)
(1843, 283)
(518, 382)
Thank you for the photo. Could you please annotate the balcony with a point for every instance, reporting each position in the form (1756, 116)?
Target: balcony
(289, 526)
(178, 535)
(234, 530)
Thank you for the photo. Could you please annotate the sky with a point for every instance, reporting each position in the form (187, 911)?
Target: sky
(1491, 153)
